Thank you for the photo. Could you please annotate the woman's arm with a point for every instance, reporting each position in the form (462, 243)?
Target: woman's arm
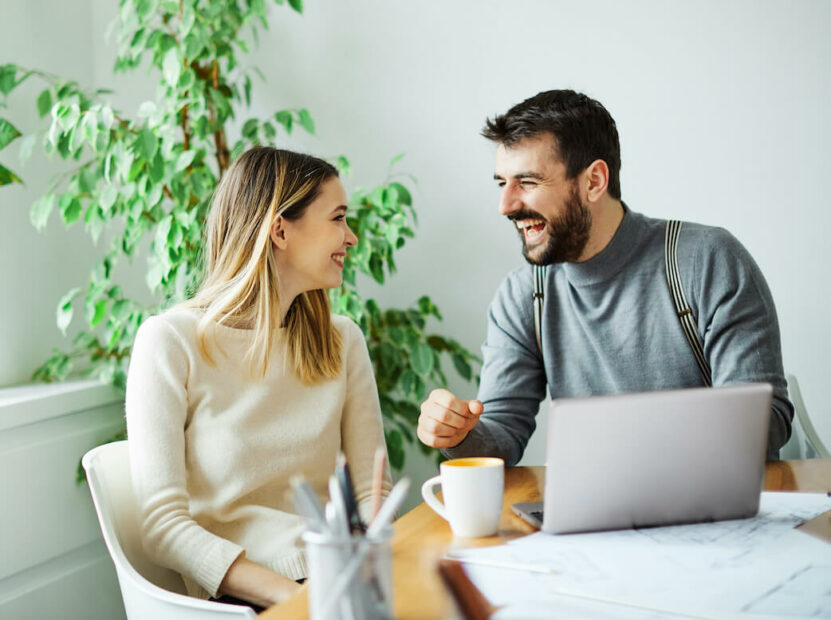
(156, 405)
(256, 584)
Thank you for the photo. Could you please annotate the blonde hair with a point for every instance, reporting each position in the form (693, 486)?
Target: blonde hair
(239, 288)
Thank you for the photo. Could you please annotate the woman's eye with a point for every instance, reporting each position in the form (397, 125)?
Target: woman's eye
(340, 218)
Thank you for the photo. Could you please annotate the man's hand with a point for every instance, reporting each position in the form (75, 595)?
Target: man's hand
(446, 420)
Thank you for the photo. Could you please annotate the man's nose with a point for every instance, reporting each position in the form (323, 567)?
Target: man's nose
(509, 201)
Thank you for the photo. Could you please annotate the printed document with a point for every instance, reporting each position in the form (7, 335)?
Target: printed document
(758, 566)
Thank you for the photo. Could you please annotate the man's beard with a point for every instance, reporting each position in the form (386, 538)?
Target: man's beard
(568, 234)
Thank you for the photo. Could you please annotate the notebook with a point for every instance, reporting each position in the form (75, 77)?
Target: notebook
(655, 458)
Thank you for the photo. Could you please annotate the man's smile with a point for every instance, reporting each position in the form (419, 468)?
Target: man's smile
(530, 229)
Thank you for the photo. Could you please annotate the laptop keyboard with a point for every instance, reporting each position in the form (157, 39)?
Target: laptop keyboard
(537, 514)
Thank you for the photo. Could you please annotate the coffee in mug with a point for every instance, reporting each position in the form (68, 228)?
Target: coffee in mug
(472, 489)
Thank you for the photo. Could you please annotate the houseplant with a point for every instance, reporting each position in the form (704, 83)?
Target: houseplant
(149, 177)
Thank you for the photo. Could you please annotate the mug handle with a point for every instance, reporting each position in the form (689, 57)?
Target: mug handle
(430, 497)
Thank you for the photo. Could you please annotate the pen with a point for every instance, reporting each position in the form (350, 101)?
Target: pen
(307, 503)
(348, 492)
(378, 479)
(531, 568)
(338, 516)
(387, 512)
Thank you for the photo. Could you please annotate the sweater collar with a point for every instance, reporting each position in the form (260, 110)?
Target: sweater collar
(611, 259)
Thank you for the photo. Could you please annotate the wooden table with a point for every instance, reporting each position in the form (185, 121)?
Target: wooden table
(422, 537)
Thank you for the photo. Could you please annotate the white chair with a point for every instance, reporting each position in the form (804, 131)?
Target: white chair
(805, 442)
(150, 592)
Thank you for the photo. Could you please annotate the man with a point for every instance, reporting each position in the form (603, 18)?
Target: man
(608, 322)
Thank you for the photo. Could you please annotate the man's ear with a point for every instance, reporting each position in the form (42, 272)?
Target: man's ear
(595, 180)
(278, 233)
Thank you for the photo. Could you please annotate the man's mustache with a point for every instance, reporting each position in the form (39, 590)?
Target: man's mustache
(526, 214)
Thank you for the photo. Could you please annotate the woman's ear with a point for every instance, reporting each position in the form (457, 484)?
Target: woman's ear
(278, 233)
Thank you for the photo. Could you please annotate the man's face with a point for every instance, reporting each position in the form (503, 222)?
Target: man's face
(545, 206)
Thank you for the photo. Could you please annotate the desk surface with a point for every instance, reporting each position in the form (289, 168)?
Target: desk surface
(422, 537)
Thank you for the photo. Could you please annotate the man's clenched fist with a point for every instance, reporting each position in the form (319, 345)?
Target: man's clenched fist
(446, 420)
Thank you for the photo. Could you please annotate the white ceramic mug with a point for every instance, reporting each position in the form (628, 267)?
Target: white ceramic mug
(472, 489)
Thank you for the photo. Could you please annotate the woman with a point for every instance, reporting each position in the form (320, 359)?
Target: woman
(250, 382)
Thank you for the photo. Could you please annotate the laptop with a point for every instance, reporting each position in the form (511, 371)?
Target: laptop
(656, 458)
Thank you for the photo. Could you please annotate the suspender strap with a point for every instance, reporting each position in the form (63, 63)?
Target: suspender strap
(682, 308)
(539, 283)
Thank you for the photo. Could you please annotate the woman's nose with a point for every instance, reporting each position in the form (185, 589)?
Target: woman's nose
(351, 238)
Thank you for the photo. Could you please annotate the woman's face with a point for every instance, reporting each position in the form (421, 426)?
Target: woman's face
(310, 251)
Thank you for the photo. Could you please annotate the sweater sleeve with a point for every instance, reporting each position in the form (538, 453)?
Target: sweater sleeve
(737, 318)
(156, 406)
(513, 377)
(362, 430)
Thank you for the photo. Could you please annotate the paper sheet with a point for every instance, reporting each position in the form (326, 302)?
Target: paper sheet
(712, 570)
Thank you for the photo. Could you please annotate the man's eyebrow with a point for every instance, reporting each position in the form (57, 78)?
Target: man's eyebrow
(526, 174)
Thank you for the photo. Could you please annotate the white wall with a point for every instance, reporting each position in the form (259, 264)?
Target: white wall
(721, 109)
(36, 269)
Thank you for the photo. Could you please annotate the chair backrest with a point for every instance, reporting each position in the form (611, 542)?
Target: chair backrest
(149, 591)
(805, 442)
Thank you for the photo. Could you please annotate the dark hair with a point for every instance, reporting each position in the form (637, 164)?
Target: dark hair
(583, 130)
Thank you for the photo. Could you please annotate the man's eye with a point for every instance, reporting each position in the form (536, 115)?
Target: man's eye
(501, 183)
(528, 183)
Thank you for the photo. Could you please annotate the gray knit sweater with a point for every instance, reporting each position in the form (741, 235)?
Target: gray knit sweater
(609, 326)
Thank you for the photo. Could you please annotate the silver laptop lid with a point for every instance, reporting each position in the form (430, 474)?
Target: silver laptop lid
(655, 458)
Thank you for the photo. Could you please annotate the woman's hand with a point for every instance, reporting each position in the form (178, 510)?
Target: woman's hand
(256, 584)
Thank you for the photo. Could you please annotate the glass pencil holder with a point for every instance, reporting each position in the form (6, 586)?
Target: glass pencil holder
(350, 578)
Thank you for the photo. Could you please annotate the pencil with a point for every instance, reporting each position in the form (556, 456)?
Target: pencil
(378, 479)
(532, 568)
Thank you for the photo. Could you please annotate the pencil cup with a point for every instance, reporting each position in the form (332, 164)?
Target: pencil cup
(349, 577)
(472, 489)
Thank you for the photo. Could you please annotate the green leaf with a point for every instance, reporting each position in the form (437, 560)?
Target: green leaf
(462, 367)
(184, 160)
(343, 166)
(120, 310)
(146, 109)
(409, 381)
(107, 197)
(44, 102)
(297, 5)
(404, 196)
(64, 314)
(27, 144)
(249, 129)
(305, 120)
(269, 132)
(157, 168)
(8, 133)
(100, 312)
(285, 118)
(7, 177)
(7, 78)
(41, 210)
(146, 144)
(171, 66)
(421, 359)
(395, 446)
(70, 208)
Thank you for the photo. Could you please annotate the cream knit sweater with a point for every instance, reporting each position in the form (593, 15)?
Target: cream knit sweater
(212, 449)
